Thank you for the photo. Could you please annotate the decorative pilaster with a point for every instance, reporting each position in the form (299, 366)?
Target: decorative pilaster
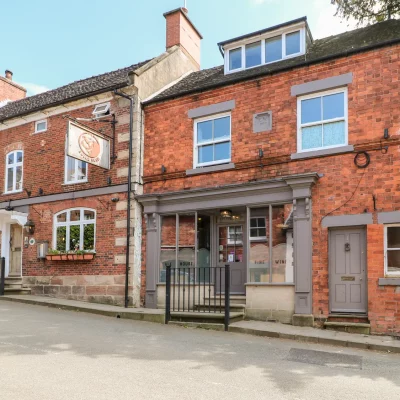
(152, 251)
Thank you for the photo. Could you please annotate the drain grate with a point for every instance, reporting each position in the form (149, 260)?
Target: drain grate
(332, 360)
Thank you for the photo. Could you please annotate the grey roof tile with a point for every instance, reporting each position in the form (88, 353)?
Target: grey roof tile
(331, 47)
(74, 90)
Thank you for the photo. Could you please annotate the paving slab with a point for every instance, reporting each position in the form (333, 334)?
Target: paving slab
(313, 335)
(138, 314)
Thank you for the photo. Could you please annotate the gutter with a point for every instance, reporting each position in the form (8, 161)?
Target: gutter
(128, 216)
(276, 71)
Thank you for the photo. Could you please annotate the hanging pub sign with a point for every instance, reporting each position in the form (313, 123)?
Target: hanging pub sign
(88, 145)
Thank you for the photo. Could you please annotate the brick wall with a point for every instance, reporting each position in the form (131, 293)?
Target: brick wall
(373, 105)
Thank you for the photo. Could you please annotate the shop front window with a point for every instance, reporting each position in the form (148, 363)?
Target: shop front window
(271, 244)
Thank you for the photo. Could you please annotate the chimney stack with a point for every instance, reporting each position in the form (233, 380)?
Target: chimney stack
(10, 90)
(182, 32)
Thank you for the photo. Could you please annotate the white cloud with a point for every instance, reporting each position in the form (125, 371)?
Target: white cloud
(34, 88)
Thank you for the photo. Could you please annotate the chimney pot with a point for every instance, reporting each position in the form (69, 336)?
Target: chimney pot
(185, 10)
(8, 74)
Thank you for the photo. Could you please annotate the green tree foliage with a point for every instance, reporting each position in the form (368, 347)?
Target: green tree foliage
(367, 11)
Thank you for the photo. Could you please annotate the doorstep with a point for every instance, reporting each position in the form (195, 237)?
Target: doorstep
(138, 314)
(314, 335)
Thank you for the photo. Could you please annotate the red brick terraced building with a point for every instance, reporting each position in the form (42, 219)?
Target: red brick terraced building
(284, 163)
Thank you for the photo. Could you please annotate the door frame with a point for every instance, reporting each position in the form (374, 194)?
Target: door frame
(344, 228)
(217, 225)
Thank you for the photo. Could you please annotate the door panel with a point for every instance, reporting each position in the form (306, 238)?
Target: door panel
(231, 250)
(347, 270)
(15, 250)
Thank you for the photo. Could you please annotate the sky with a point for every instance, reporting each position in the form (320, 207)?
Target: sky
(49, 43)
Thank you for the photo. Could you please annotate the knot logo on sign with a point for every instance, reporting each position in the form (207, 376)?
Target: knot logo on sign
(89, 145)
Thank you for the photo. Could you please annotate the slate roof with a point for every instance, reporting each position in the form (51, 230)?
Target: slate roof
(362, 39)
(73, 91)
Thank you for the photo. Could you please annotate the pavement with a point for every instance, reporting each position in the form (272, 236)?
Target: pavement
(257, 328)
(48, 353)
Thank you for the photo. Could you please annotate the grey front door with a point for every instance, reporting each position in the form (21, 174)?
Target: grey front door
(231, 250)
(347, 270)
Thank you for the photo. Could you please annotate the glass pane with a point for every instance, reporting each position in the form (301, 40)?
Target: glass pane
(393, 237)
(10, 158)
(261, 222)
(71, 176)
(293, 43)
(186, 250)
(168, 244)
(311, 137)
(74, 237)
(393, 261)
(203, 247)
(273, 49)
(222, 128)
(62, 217)
(18, 183)
(282, 244)
(311, 110)
(61, 238)
(259, 268)
(253, 222)
(41, 126)
(82, 170)
(88, 214)
(206, 153)
(204, 131)
(235, 59)
(253, 54)
(10, 177)
(334, 133)
(75, 215)
(222, 151)
(231, 243)
(88, 237)
(19, 156)
(333, 106)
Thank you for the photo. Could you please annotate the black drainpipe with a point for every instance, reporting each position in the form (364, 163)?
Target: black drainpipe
(128, 222)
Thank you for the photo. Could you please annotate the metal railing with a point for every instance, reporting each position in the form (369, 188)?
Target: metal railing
(2, 275)
(198, 290)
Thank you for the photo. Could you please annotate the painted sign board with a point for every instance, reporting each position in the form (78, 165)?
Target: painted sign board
(88, 145)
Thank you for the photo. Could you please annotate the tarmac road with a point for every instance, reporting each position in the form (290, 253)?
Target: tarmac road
(52, 354)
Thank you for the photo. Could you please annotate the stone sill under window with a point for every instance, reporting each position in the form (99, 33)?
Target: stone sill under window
(211, 168)
(12, 192)
(269, 284)
(395, 281)
(73, 183)
(323, 152)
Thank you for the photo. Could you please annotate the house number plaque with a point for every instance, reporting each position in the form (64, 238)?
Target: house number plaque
(348, 278)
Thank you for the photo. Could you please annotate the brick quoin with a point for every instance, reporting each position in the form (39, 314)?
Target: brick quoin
(373, 105)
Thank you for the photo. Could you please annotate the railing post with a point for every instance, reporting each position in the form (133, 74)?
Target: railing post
(227, 295)
(2, 275)
(168, 293)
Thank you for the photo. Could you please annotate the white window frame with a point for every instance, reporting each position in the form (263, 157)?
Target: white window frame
(82, 222)
(256, 238)
(14, 166)
(233, 242)
(322, 121)
(39, 122)
(75, 181)
(387, 272)
(242, 44)
(196, 146)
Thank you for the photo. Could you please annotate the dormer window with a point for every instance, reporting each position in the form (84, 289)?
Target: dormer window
(265, 47)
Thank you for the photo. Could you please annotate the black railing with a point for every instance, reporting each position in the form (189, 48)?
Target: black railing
(2, 275)
(197, 290)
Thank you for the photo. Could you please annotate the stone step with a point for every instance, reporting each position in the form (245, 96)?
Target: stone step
(234, 299)
(201, 325)
(15, 291)
(349, 327)
(355, 318)
(204, 317)
(218, 307)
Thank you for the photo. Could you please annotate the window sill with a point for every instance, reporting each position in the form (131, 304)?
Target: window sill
(74, 183)
(13, 192)
(269, 284)
(209, 169)
(389, 281)
(70, 257)
(323, 152)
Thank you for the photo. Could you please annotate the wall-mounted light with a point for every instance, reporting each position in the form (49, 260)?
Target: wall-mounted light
(30, 227)
(225, 213)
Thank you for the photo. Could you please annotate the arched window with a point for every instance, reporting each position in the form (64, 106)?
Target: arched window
(75, 229)
(14, 162)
